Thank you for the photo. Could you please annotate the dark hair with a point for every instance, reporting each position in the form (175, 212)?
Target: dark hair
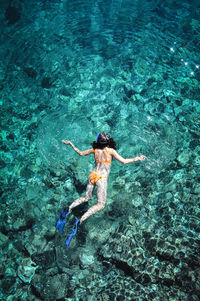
(104, 140)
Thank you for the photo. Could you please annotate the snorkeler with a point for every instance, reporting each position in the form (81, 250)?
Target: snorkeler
(104, 151)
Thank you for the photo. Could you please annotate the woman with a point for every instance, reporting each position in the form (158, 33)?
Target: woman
(104, 151)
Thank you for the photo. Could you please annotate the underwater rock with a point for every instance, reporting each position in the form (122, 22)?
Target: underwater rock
(26, 172)
(86, 259)
(46, 83)
(128, 92)
(23, 293)
(184, 157)
(197, 190)
(26, 270)
(30, 72)
(50, 288)
(7, 284)
(20, 223)
(12, 15)
(3, 239)
(45, 259)
(37, 244)
(2, 164)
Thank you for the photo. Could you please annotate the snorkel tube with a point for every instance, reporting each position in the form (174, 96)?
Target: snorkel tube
(98, 136)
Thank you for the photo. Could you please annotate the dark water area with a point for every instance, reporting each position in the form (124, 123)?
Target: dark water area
(71, 69)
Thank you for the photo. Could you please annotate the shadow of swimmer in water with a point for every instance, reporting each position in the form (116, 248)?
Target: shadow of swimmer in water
(104, 151)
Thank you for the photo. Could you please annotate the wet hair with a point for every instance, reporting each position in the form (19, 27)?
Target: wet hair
(104, 140)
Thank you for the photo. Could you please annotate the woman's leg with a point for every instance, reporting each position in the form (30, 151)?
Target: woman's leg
(88, 196)
(101, 195)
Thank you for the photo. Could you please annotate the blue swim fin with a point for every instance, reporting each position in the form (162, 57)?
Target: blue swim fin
(74, 230)
(62, 220)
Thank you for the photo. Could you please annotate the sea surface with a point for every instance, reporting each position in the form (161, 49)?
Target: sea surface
(71, 69)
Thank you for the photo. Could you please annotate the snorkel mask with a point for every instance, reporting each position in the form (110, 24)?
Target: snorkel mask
(104, 139)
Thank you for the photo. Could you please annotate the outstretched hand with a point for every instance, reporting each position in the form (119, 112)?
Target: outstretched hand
(66, 141)
(142, 158)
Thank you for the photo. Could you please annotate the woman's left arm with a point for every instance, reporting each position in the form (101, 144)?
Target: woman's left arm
(81, 153)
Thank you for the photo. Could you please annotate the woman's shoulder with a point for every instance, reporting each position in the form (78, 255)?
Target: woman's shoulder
(106, 148)
(111, 149)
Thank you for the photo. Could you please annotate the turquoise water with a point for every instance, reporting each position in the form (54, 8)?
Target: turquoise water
(70, 69)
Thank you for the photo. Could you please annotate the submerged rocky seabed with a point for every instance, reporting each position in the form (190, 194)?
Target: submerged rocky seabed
(57, 83)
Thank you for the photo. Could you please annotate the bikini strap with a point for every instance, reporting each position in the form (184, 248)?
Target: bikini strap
(107, 154)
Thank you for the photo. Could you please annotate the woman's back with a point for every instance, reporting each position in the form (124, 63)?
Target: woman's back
(103, 159)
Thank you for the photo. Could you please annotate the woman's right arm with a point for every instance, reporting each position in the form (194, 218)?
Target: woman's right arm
(78, 151)
(126, 161)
